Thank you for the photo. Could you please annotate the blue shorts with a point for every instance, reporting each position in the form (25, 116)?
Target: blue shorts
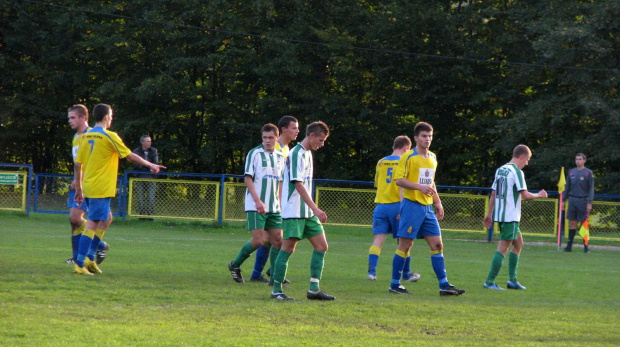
(98, 208)
(417, 220)
(71, 203)
(384, 219)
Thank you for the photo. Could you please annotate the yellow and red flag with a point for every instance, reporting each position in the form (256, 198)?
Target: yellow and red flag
(584, 232)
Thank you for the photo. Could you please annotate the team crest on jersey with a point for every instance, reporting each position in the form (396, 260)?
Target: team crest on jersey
(426, 176)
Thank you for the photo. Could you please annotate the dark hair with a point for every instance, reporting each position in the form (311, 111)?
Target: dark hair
(143, 137)
(317, 128)
(421, 126)
(521, 150)
(286, 121)
(581, 155)
(80, 109)
(401, 141)
(270, 128)
(100, 111)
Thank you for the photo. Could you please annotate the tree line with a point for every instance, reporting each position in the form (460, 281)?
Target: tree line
(202, 77)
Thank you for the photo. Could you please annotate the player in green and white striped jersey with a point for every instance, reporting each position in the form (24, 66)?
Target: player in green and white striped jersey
(301, 216)
(263, 176)
(509, 188)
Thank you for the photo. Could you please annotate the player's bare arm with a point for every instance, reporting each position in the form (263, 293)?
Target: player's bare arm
(249, 183)
(77, 183)
(525, 195)
(299, 187)
(488, 219)
(134, 158)
(438, 206)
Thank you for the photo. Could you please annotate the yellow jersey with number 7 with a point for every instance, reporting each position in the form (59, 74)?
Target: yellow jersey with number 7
(99, 153)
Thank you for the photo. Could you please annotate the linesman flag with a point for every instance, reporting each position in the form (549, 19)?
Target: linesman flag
(561, 182)
(584, 231)
(561, 187)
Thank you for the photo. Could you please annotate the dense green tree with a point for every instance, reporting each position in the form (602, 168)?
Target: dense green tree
(202, 77)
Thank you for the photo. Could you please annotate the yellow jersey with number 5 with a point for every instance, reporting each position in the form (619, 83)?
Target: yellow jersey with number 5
(387, 190)
(99, 152)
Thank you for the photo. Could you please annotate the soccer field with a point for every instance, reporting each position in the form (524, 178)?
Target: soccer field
(169, 285)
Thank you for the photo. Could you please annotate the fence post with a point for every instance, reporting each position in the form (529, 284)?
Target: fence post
(220, 213)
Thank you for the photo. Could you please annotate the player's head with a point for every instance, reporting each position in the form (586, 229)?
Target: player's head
(316, 134)
(402, 142)
(77, 116)
(580, 160)
(521, 155)
(269, 134)
(423, 134)
(145, 141)
(101, 111)
(289, 128)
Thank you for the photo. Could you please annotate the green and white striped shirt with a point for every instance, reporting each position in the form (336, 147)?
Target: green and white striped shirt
(266, 170)
(298, 168)
(508, 184)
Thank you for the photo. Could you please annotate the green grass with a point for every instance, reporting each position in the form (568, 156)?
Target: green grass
(166, 284)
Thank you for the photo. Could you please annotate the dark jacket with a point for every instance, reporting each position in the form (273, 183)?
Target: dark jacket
(151, 156)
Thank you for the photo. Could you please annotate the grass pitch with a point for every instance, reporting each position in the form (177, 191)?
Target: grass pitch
(169, 285)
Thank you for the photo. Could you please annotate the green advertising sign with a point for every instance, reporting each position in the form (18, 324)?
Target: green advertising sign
(10, 179)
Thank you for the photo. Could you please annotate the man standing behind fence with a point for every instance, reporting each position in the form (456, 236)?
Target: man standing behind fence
(509, 188)
(78, 121)
(96, 170)
(580, 195)
(301, 218)
(146, 191)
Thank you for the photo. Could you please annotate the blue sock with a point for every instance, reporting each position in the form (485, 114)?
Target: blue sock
(262, 255)
(373, 259)
(75, 242)
(407, 269)
(92, 249)
(83, 247)
(397, 268)
(440, 270)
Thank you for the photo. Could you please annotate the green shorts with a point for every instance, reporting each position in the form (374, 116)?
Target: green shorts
(509, 231)
(301, 228)
(263, 221)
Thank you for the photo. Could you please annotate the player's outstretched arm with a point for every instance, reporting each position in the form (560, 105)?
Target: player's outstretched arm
(525, 195)
(134, 158)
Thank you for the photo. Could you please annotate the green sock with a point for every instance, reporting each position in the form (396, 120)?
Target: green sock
(496, 264)
(273, 255)
(513, 266)
(316, 269)
(244, 254)
(278, 272)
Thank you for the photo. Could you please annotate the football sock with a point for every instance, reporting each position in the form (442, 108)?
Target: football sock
(262, 255)
(278, 273)
(273, 255)
(496, 265)
(85, 240)
(439, 267)
(571, 237)
(513, 266)
(373, 259)
(407, 268)
(397, 267)
(316, 269)
(244, 254)
(92, 250)
(75, 239)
